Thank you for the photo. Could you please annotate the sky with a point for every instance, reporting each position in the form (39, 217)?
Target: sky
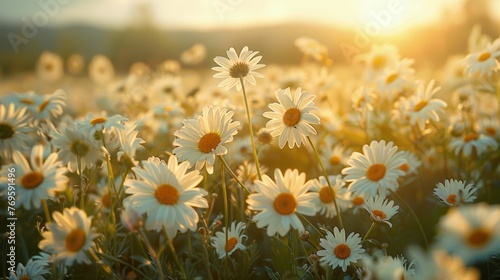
(203, 14)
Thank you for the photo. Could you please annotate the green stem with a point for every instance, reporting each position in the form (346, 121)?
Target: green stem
(152, 252)
(46, 210)
(226, 216)
(122, 262)
(82, 189)
(306, 254)
(368, 232)
(414, 216)
(250, 126)
(327, 181)
(232, 174)
(176, 259)
(309, 223)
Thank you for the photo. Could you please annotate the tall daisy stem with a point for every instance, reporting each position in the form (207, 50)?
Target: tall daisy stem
(327, 181)
(46, 210)
(368, 232)
(414, 216)
(226, 215)
(232, 174)
(176, 259)
(250, 127)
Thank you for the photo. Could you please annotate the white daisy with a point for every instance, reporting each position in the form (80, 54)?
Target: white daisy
(167, 193)
(472, 142)
(194, 55)
(34, 270)
(234, 241)
(484, 62)
(69, 236)
(167, 87)
(247, 173)
(129, 144)
(279, 201)
(312, 48)
(291, 118)
(324, 201)
(334, 156)
(379, 58)
(471, 232)
(454, 192)
(92, 123)
(236, 67)
(422, 108)
(395, 78)
(200, 140)
(381, 210)
(339, 251)
(14, 130)
(101, 70)
(50, 67)
(51, 106)
(75, 63)
(412, 163)
(38, 179)
(376, 170)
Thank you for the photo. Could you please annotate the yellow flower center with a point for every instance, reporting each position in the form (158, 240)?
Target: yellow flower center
(478, 238)
(32, 180)
(491, 131)
(379, 214)
(75, 240)
(325, 194)
(27, 101)
(420, 105)
(391, 78)
(291, 117)
(379, 62)
(358, 200)
(43, 105)
(166, 194)
(470, 137)
(239, 69)
(231, 242)
(49, 66)
(342, 251)
(99, 120)
(79, 148)
(208, 142)
(484, 56)
(452, 199)
(25, 277)
(334, 160)
(285, 203)
(404, 167)
(376, 172)
(6, 131)
(105, 200)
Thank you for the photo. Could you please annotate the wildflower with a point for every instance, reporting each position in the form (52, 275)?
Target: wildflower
(489, 127)
(34, 270)
(472, 142)
(313, 48)
(376, 170)
(14, 130)
(234, 242)
(324, 200)
(422, 108)
(201, 139)
(279, 201)
(454, 192)
(167, 193)
(69, 236)
(379, 58)
(101, 70)
(484, 62)
(129, 144)
(339, 251)
(471, 232)
(334, 156)
(194, 55)
(75, 64)
(167, 86)
(291, 118)
(236, 67)
(50, 67)
(98, 124)
(381, 210)
(412, 163)
(395, 78)
(247, 174)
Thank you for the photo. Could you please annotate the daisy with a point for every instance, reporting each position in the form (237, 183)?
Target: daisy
(234, 241)
(51, 106)
(34, 270)
(412, 163)
(50, 67)
(356, 202)
(129, 217)
(312, 48)
(395, 78)
(363, 99)
(422, 108)
(379, 58)
(166, 86)
(38, 179)
(75, 64)
(69, 236)
(238, 67)
(324, 201)
(489, 127)
(484, 62)
(74, 146)
(200, 140)
(454, 192)
(380, 210)
(129, 144)
(194, 55)
(101, 70)
(291, 118)
(167, 193)
(339, 251)
(247, 173)
(376, 170)
(14, 130)
(93, 123)
(279, 201)
(472, 142)
(387, 267)
(333, 155)
(471, 232)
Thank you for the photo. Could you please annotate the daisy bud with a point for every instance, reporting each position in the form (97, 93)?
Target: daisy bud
(202, 230)
(305, 236)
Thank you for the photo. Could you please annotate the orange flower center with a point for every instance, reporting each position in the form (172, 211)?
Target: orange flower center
(43, 105)
(379, 214)
(334, 160)
(358, 200)
(75, 240)
(325, 194)
(484, 56)
(291, 116)
(379, 62)
(342, 251)
(404, 167)
(208, 142)
(376, 172)
(231, 242)
(491, 131)
(239, 69)
(478, 238)
(105, 200)
(391, 78)
(285, 203)
(99, 120)
(25, 277)
(32, 180)
(27, 101)
(49, 66)
(452, 199)
(470, 137)
(420, 105)
(166, 194)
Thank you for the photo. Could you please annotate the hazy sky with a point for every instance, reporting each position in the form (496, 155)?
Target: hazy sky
(232, 13)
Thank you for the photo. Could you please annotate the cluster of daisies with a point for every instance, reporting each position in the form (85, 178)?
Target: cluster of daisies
(128, 173)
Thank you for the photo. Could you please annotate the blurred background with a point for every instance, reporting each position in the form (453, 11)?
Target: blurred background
(152, 31)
